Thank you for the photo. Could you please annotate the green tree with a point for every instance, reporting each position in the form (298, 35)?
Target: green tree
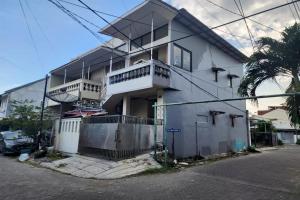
(263, 126)
(26, 117)
(274, 58)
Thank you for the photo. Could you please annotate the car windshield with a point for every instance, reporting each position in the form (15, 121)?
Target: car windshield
(11, 136)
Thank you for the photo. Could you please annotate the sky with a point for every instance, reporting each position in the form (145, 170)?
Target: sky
(55, 38)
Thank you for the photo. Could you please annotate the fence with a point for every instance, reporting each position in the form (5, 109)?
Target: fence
(123, 119)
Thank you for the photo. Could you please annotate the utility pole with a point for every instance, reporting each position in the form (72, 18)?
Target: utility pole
(42, 111)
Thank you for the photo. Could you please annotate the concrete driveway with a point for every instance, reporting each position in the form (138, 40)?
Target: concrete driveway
(269, 175)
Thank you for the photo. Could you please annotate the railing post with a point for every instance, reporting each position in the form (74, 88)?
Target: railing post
(155, 128)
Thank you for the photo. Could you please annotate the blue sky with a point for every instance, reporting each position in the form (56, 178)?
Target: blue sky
(58, 39)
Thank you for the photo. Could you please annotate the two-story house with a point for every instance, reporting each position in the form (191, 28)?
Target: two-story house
(147, 62)
(32, 92)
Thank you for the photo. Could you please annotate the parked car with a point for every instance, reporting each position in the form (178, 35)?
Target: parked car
(13, 142)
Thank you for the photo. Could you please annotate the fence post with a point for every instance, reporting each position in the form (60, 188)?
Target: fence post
(155, 128)
(165, 134)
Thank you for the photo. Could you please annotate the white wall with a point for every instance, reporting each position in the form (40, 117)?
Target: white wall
(212, 139)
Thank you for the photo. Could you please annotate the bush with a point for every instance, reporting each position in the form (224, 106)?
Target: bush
(298, 141)
(279, 142)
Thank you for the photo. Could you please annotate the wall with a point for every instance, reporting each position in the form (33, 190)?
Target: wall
(33, 92)
(3, 106)
(211, 139)
(139, 108)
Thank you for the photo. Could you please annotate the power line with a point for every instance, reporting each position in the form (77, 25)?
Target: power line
(207, 92)
(248, 29)
(290, 7)
(39, 25)
(296, 10)
(70, 14)
(30, 33)
(215, 27)
(230, 11)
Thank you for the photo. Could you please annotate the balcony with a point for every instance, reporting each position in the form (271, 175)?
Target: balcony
(75, 90)
(144, 75)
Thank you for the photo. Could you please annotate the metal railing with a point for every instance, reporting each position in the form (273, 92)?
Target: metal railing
(123, 119)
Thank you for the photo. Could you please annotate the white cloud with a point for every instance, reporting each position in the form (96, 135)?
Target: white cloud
(211, 15)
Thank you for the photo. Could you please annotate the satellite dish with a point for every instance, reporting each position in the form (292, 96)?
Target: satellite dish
(63, 97)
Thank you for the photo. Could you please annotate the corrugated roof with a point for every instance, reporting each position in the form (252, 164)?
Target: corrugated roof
(22, 86)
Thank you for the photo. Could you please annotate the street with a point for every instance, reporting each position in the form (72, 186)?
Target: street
(268, 175)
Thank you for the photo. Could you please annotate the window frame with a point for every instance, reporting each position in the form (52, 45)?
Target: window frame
(133, 44)
(182, 49)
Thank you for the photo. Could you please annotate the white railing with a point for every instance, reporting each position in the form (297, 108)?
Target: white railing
(149, 68)
(79, 86)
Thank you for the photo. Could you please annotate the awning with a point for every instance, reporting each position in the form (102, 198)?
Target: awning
(137, 21)
(95, 59)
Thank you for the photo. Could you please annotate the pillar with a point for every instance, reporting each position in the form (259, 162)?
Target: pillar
(126, 105)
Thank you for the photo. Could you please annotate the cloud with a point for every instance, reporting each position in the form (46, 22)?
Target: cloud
(211, 15)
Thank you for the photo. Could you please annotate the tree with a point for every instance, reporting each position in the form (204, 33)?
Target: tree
(26, 117)
(274, 58)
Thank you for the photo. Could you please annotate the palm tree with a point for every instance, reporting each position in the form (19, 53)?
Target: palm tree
(275, 58)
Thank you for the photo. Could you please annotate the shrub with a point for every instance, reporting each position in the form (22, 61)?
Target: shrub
(279, 142)
(298, 141)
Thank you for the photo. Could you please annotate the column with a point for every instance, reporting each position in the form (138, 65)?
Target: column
(126, 105)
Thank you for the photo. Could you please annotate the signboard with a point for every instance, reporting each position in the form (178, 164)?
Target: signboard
(173, 130)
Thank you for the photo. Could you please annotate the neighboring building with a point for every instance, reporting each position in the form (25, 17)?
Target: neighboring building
(280, 120)
(127, 79)
(32, 92)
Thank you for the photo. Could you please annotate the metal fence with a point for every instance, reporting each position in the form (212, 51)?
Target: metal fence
(123, 119)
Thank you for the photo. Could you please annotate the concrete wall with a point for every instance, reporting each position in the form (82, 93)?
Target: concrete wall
(211, 139)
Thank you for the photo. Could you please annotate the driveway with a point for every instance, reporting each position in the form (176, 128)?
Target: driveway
(269, 175)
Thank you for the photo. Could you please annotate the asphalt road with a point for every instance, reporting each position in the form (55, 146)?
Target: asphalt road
(269, 175)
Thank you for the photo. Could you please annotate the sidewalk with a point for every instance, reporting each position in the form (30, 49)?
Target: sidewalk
(87, 167)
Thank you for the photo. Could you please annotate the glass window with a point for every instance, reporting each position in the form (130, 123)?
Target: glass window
(177, 56)
(182, 58)
(161, 32)
(186, 61)
(136, 43)
(146, 39)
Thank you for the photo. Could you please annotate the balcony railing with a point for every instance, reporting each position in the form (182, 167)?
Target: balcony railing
(140, 76)
(84, 89)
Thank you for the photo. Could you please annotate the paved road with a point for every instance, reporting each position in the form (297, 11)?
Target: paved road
(270, 175)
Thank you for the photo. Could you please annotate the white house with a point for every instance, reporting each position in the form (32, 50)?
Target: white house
(32, 92)
(280, 120)
(146, 62)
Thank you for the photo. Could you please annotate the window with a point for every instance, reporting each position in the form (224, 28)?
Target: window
(182, 58)
(158, 33)
(186, 64)
(146, 39)
(177, 56)
(161, 32)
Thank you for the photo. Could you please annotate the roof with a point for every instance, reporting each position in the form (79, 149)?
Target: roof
(168, 12)
(22, 86)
